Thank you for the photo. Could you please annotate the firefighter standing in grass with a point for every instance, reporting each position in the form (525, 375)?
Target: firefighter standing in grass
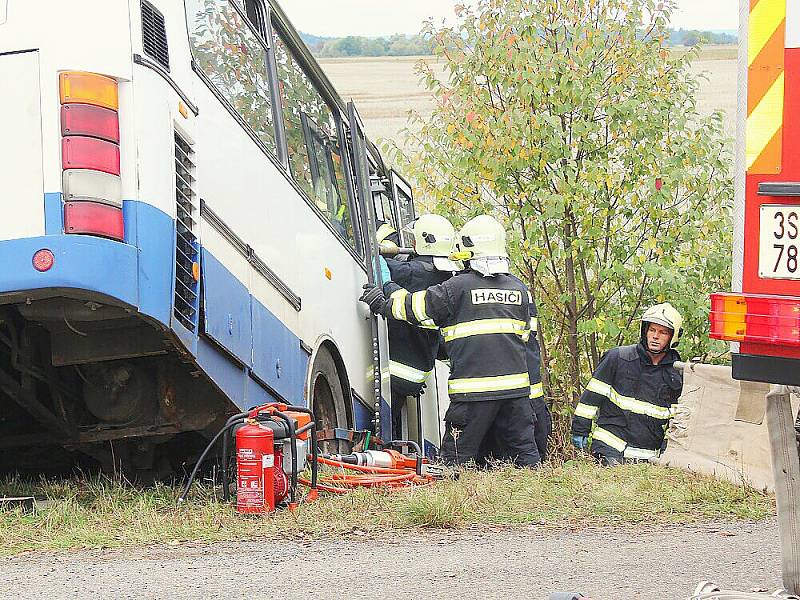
(633, 394)
(413, 349)
(544, 421)
(484, 317)
(493, 448)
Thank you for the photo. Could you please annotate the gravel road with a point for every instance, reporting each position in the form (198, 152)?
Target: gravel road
(618, 564)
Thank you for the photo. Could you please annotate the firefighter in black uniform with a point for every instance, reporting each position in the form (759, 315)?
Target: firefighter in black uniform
(544, 421)
(633, 394)
(484, 317)
(493, 446)
(412, 349)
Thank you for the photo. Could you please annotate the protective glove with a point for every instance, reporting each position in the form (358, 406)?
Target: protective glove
(580, 441)
(373, 296)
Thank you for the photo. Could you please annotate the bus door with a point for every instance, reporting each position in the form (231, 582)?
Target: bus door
(404, 203)
(422, 419)
(382, 198)
(382, 418)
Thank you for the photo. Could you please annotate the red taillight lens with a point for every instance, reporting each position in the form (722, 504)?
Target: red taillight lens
(758, 319)
(79, 152)
(93, 219)
(94, 121)
(43, 260)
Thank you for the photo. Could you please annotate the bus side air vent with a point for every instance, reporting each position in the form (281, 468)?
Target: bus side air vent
(154, 35)
(187, 248)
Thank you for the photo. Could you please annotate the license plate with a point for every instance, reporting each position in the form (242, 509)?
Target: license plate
(779, 242)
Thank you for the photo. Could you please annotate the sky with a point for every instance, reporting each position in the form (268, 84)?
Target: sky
(338, 18)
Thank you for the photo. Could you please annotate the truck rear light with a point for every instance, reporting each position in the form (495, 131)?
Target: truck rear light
(727, 317)
(756, 318)
(93, 219)
(93, 186)
(79, 152)
(94, 121)
(88, 88)
(43, 260)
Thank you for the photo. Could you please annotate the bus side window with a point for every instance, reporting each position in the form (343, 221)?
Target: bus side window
(405, 205)
(382, 201)
(230, 55)
(315, 160)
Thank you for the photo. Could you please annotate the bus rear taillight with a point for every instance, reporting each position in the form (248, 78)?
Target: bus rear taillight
(756, 318)
(90, 155)
(83, 185)
(78, 87)
(93, 219)
(78, 152)
(92, 121)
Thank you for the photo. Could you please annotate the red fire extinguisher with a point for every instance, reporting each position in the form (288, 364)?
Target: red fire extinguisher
(255, 464)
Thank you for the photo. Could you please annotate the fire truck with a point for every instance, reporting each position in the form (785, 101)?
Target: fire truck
(761, 316)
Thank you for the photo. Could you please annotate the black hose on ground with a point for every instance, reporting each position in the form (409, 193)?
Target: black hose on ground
(417, 449)
(314, 443)
(200, 460)
(314, 455)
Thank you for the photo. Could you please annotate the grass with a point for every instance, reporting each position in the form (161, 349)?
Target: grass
(101, 513)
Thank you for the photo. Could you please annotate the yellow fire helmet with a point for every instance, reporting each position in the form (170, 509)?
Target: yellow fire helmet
(481, 237)
(666, 315)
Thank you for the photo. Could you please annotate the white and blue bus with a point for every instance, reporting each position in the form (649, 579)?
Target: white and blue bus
(188, 216)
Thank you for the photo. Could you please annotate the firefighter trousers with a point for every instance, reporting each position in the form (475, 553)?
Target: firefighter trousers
(399, 401)
(507, 423)
(544, 425)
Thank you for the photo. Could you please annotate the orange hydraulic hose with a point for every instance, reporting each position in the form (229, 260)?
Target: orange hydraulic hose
(366, 481)
(333, 463)
(373, 477)
(325, 488)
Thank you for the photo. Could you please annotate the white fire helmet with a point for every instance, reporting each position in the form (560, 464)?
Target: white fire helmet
(433, 235)
(666, 315)
(482, 237)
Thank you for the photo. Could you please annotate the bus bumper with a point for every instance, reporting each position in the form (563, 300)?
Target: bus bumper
(84, 265)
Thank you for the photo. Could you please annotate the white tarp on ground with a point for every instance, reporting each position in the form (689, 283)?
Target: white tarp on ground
(720, 427)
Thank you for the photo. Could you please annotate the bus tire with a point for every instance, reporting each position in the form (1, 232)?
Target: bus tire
(328, 398)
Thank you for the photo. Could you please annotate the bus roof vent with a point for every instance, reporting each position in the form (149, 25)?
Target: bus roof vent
(154, 35)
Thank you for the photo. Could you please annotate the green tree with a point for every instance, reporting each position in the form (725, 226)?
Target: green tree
(229, 53)
(350, 46)
(572, 122)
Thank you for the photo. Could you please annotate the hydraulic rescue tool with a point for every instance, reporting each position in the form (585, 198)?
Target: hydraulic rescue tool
(387, 458)
(708, 591)
(387, 468)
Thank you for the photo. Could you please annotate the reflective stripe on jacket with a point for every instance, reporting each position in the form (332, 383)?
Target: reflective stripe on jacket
(630, 400)
(412, 350)
(534, 352)
(485, 322)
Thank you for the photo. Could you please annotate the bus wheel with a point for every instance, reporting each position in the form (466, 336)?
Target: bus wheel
(327, 398)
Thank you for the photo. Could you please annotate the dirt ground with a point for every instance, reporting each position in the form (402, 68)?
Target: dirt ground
(619, 564)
